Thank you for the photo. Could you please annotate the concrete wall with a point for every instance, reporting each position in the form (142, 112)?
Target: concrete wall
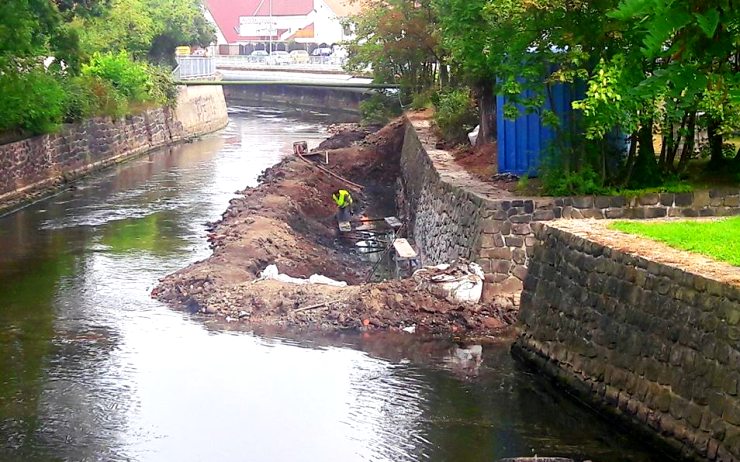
(31, 167)
(653, 343)
(453, 214)
(319, 98)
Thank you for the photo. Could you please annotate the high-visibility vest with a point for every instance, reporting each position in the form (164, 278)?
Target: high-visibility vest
(343, 200)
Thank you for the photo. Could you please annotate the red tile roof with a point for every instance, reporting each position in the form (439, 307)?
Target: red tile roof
(226, 13)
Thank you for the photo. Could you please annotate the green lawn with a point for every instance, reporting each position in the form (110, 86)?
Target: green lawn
(718, 239)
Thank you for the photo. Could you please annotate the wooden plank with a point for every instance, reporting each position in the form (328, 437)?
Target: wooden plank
(345, 226)
(404, 249)
(393, 222)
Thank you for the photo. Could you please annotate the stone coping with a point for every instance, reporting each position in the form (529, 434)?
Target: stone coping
(449, 170)
(646, 250)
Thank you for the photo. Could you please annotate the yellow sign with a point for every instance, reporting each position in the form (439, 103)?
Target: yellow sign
(182, 51)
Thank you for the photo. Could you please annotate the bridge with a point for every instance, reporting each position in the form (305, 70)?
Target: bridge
(195, 71)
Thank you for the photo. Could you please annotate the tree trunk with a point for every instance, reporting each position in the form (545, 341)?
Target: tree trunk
(487, 112)
(671, 159)
(631, 155)
(645, 172)
(717, 159)
(688, 144)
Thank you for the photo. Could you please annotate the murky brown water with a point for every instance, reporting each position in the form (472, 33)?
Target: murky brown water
(92, 369)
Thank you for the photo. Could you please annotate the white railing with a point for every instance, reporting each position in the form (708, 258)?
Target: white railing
(260, 62)
(194, 67)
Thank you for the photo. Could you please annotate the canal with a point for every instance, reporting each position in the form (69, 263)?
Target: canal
(91, 368)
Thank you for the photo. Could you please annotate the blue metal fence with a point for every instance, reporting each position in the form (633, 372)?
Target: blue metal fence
(523, 142)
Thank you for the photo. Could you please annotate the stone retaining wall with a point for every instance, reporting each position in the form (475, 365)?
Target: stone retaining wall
(653, 343)
(31, 167)
(453, 214)
(319, 98)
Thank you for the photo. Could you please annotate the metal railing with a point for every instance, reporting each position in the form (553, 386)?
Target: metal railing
(245, 61)
(194, 67)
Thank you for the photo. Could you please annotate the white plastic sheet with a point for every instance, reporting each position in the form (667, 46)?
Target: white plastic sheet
(271, 272)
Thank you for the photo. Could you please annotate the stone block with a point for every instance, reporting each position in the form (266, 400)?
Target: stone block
(518, 255)
(514, 241)
(701, 199)
(491, 226)
(683, 199)
(501, 266)
(510, 285)
(522, 218)
(592, 213)
(602, 202)
(506, 228)
(648, 199)
(583, 202)
(520, 272)
(528, 206)
(543, 215)
(499, 253)
(618, 201)
(666, 199)
(614, 213)
(731, 201)
(521, 229)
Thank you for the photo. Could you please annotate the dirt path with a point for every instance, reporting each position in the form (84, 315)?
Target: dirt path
(288, 221)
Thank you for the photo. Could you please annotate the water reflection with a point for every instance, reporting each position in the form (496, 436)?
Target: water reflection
(92, 369)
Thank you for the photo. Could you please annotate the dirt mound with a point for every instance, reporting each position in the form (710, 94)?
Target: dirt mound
(288, 220)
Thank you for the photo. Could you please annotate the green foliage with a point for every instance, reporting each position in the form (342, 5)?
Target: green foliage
(379, 108)
(130, 78)
(422, 100)
(31, 101)
(399, 41)
(455, 115)
(560, 182)
(718, 239)
(89, 96)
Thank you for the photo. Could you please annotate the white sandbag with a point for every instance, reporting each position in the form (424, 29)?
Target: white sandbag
(473, 136)
(271, 272)
(321, 279)
(460, 282)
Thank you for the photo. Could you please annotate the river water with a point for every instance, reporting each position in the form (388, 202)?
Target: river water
(91, 368)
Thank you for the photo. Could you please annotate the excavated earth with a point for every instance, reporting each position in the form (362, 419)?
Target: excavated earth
(288, 220)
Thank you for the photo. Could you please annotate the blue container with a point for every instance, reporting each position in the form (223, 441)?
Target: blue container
(522, 143)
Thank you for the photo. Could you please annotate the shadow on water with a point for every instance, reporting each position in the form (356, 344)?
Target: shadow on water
(91, 368)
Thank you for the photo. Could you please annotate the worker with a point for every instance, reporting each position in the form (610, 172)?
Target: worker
(344, 205)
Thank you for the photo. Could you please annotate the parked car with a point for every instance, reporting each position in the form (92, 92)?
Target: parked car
(278, 58)
(259, 53)
(326, 51)
(300, 56)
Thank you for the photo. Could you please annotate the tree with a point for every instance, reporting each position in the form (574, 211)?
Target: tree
(399, 40)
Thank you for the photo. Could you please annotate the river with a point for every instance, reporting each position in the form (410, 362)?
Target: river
(91, 368)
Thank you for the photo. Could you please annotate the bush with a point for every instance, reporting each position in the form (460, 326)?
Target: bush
(164, 90)
(422, 100)
(89, 96)
(32, 102)
(455, 115)
(132, 79)
(558, 182)
(379, 108)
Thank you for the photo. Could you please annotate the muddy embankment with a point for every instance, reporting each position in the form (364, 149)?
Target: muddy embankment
(288, 220)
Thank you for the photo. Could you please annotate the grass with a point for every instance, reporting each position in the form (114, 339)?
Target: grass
(717, 239)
